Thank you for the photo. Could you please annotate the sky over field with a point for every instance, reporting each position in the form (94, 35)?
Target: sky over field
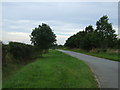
(65, 18)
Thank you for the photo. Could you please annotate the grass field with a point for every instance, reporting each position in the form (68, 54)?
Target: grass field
(54, 70)
(110, 56)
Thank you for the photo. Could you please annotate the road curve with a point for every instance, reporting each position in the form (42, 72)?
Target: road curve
(105, 70)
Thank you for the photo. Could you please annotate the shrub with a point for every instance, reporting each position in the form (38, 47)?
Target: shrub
(20, 50)
(4, 53)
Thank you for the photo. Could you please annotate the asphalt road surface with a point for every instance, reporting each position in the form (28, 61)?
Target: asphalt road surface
(105, 70)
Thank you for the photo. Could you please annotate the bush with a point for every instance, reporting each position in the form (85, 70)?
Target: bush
(20, 50)
(4, 53)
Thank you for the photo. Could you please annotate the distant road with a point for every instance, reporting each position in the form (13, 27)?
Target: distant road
(105, 70)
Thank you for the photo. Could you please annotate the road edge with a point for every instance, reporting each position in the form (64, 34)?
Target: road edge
(95, 76)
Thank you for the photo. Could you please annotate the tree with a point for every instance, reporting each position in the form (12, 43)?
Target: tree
(89, 29)
(89, 39)
(106, 32)
(83, 39)
(70, 42)
(42, 37)
(103, 37)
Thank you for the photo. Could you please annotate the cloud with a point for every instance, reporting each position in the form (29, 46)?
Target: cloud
(15, 36)
(59, 1)
(116, 29)
(65, 19)
(61, 39)
(19, 30)
(76, 12)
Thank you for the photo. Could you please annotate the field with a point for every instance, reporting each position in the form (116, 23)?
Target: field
(54, 70)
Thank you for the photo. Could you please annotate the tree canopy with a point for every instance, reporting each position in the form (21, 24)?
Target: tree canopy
(106, 32)
(102, 37)
(43, 37)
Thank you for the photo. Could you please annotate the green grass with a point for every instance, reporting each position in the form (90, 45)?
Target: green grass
(10, 69)
(110, 56)
(54, 70)
(13, 65)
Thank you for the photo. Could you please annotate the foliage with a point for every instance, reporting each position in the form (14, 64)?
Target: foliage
(43, 37)
(110, 54)
(17, 51)
(102, 37)
(15, 55)
(20, 50)
(83, 39)
(106, 32)
(54, 46)
(4, 53)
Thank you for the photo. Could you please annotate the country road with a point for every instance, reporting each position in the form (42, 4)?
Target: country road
(105, 70)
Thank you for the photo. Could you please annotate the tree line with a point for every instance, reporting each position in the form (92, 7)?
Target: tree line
(102, 37)
(43, 38)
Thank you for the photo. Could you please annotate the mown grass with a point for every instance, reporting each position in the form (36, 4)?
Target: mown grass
(106, 55)
(54, 70)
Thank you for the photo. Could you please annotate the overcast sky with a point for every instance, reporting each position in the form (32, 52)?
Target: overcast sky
(65, 18)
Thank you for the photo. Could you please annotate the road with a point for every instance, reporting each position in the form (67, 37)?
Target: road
(105, 70)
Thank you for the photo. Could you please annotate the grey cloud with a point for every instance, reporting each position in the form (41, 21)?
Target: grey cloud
(64, 18)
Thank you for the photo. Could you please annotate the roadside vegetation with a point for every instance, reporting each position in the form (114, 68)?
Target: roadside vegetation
(54, 70)
(111, 54)
(16, 54)
(101, 42)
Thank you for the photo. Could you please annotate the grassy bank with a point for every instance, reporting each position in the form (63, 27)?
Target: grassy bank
(106, 55)
(13, 65)
(15, 55)
(54, 70)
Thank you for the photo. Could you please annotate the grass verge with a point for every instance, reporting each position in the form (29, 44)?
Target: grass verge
(12, 65)
(55, 70)
(110, 56)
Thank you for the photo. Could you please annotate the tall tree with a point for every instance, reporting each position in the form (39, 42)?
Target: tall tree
(43, 37)
(103, 37)
(106, 32)
(90, 38)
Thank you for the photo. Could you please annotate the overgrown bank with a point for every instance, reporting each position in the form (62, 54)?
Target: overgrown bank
(15, 55)
(111, 54)
(54, 70)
